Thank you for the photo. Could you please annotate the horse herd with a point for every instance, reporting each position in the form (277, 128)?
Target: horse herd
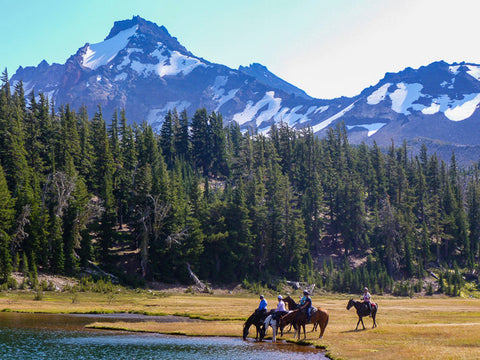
(297, 319)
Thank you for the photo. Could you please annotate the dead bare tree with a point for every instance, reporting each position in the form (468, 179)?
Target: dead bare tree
(152, 219)
(62, 187)
(202, 286)
(20, 233)
(92, 210)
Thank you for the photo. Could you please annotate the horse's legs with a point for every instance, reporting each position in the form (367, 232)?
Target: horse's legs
(358, 322)
(322, 330)
(274, 336)
(361, 319)
(304, 332)
(374, 322)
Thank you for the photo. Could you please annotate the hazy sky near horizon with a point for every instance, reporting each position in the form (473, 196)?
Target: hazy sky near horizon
(328, 48)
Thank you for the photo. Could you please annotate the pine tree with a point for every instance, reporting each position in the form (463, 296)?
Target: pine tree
(7, 213)
(167, 137)
(201, 141)
(103, 181)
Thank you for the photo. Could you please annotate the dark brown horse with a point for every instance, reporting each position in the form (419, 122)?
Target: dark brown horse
(256, 319)
(298, 318)
(362, 311)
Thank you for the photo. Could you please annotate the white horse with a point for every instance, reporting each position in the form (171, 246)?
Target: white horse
(269, 321)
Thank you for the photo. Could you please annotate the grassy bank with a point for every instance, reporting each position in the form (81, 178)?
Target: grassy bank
(427, 328)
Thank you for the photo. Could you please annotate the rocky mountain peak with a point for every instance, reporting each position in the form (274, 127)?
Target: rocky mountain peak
(141, 68)
(263, 75)
(147, 32)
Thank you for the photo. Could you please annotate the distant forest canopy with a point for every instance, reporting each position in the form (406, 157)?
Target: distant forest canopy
(233, 206)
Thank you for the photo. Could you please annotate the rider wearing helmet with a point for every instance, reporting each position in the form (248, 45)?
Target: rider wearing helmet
(306, 304)
(262, 307)
(280, 310)
(367, 299)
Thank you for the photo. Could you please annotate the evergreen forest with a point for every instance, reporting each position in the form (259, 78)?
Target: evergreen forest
(231, 206)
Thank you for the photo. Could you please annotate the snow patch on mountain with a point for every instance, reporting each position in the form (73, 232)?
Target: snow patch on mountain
(454, 69)
(126, 60)
(219, 91)
(321, 109)
(371, 128)
(290, 116)
(102, 53)
(459, 110)
(269, 100)
(454, 110)
(432, 109)
(331, 119)
(404, 96)
(378, 95)
(474, 71)
(168, 63)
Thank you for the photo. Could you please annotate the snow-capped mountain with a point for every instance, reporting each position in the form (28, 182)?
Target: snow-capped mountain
(142, 68)
(439, 101)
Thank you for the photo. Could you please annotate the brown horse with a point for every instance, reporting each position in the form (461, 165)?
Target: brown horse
(299, 318)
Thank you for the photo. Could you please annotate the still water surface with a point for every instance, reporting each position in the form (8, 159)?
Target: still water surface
(38, 336)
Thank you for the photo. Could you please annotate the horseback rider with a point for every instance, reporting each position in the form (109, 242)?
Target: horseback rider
(367, 299)
(306, 304)
(280, 310)
(262, 307)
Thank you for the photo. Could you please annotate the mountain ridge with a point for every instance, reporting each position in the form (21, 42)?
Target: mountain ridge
(142, 68)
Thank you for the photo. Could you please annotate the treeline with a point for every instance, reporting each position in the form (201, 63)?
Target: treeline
(228, 205)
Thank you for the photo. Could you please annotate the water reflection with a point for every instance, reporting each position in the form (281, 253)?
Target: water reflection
(33, 336)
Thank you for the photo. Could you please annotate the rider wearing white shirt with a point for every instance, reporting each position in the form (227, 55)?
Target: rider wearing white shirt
(366, 299)
(280, 310)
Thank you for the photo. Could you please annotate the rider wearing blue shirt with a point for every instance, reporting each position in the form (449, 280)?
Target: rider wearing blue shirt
(263, 304)
(306, 304)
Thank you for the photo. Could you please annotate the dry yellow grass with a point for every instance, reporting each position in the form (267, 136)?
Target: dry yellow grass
(423, 328)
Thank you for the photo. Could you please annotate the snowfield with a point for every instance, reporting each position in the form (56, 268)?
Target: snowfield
(103, 52)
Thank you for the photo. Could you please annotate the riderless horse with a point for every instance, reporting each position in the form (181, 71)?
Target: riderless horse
(362, 310)
(257, 319)
(298, 318)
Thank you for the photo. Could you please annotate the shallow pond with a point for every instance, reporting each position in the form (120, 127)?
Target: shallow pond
(40, 336)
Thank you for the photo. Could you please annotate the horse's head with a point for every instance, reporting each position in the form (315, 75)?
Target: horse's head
(245, 331)
(290, 303)
(350, 304)
(247, 325)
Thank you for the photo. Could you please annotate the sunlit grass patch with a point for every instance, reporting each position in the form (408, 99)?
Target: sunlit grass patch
(418, 328)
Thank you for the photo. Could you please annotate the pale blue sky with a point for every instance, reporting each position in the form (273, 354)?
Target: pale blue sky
(328, 48)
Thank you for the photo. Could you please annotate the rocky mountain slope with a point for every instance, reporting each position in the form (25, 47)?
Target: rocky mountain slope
(142, 68)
